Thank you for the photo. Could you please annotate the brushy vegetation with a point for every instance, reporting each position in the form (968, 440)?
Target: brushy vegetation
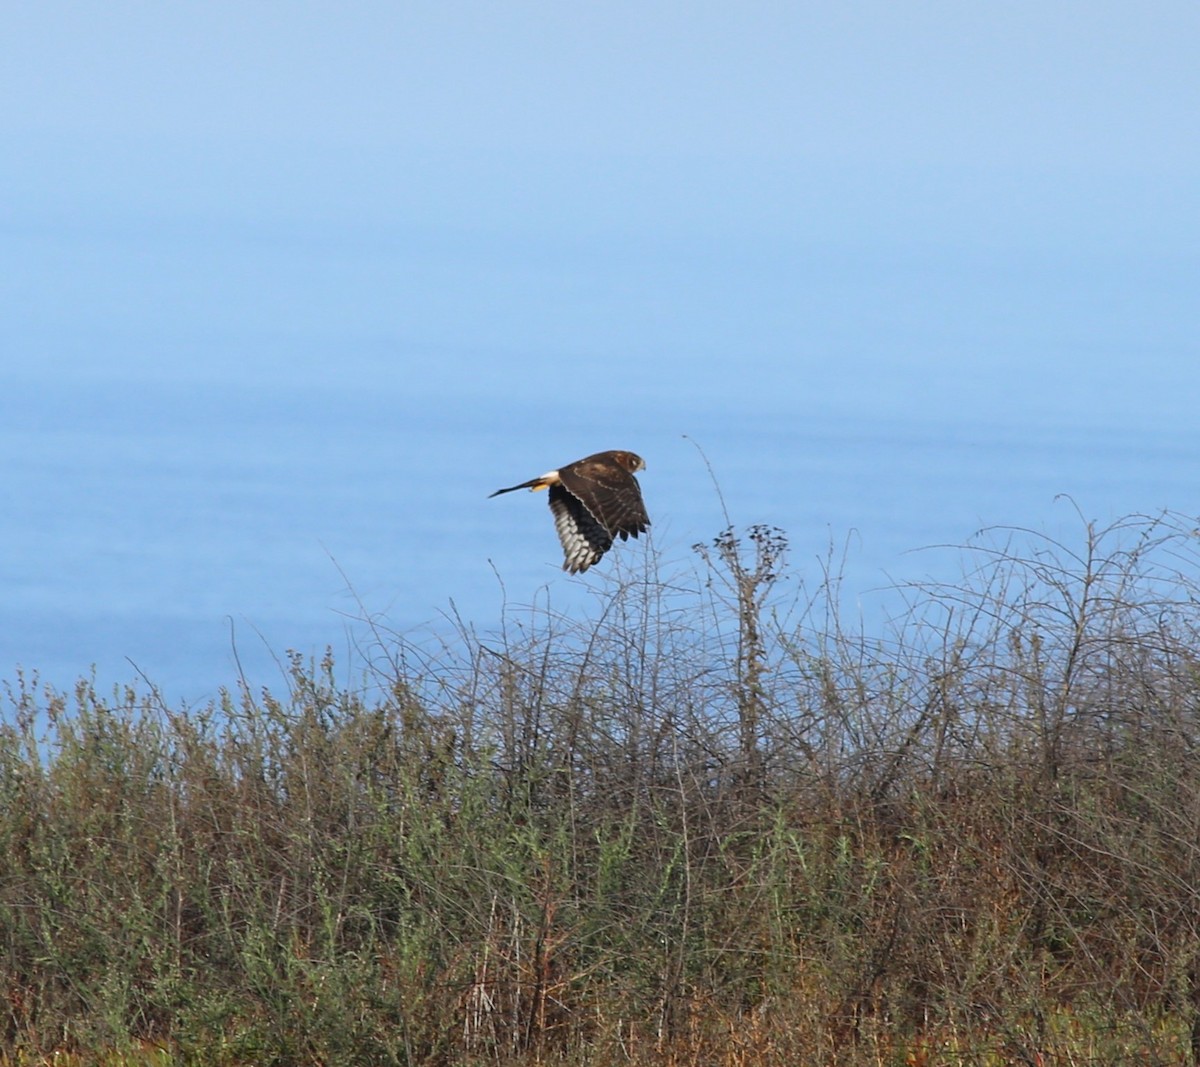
(710, 824)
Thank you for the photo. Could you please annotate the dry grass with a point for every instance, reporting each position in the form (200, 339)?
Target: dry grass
(707, 825)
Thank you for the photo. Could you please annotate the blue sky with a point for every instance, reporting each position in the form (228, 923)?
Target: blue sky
(1018, 85)
(279, 280)
(747, 138)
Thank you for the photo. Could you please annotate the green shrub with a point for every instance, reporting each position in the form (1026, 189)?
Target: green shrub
(706, 824)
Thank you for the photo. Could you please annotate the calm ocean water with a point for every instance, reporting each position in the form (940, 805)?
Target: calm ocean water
(178, 529)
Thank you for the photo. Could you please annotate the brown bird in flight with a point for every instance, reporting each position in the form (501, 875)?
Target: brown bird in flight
(594, 501)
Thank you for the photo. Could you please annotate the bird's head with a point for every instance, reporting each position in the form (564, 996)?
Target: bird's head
(631, 461)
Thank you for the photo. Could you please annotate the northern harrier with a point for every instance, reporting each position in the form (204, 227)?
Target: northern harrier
(594, 501)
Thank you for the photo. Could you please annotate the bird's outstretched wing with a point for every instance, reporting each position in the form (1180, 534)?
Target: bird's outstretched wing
(594, 500)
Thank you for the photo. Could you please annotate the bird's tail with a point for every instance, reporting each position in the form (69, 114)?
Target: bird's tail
(533, 483)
